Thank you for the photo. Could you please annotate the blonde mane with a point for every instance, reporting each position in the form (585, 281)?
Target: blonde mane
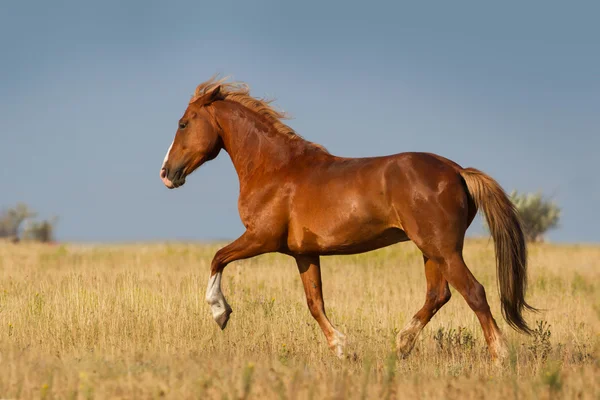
(239, 92)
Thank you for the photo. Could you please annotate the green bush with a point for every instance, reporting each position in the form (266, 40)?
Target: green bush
(537, 214)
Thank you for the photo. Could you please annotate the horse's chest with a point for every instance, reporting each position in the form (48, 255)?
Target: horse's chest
(264, 210)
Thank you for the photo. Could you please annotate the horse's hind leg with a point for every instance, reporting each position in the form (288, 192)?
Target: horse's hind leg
(456, 272)
(310, 273)
(438, 294)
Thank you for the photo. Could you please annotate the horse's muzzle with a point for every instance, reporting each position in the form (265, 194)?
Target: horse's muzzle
(176, 179)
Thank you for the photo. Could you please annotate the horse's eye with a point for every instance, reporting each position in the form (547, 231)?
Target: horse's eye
(182, 125)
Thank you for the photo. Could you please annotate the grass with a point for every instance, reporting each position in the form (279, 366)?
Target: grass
(131, 322)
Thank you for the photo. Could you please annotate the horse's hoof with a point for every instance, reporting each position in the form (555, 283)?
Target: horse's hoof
(499, 355)
(498, 348)
(223, 318)
(337, 344)
(406, 339)
(405, 343)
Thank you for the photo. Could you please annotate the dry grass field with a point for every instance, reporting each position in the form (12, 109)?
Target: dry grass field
(131, 322)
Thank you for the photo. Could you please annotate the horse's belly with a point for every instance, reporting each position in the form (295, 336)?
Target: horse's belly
(345, 216)
(386, 238)
(348, 237)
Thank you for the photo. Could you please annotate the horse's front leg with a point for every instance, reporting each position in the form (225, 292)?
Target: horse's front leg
(310, 273)
(246, 246)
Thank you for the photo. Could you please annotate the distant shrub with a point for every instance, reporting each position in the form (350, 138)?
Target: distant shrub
(537, 214)
(13, 219)
(40, 231)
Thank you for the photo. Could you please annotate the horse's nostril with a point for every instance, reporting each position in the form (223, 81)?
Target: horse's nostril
(163, 173)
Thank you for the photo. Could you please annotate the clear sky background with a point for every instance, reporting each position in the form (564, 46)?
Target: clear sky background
(91, 92)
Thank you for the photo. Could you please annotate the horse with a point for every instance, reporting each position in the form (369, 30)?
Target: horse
(298, 199)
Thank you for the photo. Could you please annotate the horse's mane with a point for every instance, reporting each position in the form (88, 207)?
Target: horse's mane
(239, 92)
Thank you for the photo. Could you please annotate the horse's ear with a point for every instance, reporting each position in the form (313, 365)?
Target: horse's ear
(208, 97)
(214, 94)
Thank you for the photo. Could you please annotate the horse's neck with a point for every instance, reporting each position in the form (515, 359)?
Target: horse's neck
(252, 143)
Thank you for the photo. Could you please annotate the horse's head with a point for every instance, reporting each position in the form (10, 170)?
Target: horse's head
(197, 140)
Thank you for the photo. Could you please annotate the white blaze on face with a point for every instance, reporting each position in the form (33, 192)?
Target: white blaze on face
(167, 155)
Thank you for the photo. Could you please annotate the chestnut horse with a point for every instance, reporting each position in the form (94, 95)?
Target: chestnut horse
(298, 199)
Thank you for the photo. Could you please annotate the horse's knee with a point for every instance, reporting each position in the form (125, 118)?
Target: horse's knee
(314, 307)
(476, 298)
(444, 297)
(437, 297)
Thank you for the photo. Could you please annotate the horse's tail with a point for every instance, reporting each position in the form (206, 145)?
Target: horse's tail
(511, 251)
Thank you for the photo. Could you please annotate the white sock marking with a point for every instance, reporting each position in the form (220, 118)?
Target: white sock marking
(338, 343)
(214, 295)
(408, 336)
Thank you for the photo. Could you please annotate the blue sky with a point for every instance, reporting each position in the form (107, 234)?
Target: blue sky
(91, 92)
